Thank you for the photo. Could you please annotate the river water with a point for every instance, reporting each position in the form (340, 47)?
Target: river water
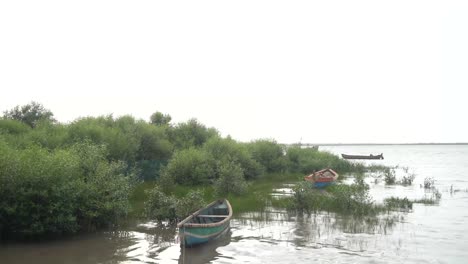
(426, 234)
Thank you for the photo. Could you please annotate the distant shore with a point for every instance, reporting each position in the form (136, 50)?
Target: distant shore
(375, 144)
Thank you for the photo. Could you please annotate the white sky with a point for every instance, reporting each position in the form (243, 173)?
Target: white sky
(320, 71)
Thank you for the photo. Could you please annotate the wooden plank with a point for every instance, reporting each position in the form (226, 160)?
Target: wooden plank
(211, 216)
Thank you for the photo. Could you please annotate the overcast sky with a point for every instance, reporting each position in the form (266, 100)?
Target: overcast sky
(316, 71)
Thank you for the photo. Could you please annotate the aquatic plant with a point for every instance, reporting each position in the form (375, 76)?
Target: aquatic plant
(408, 179)
(393, 203)
(389, 176)
(428, 183)
(341, 198)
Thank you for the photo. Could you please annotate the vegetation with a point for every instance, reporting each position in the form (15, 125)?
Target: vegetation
(405, 178)
(428, 183)
(389, 176)
(305, 160)
(399, 203)
(63, 191)
(66, 178)
(29, 114)
(351, 199)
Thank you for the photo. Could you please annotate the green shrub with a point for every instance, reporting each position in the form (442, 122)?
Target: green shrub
(188, 204)
(269, 154)
(46, 192)
(160, 206)
(190, 134)
(408, 179)
(393, 203)
(10, 126)
(119, 135)
(340, 198)
(190, 167)
(231, 151)
(389, 176)
(163, 207)
(428, 183)
(306, 160)
(153, 143)
(231, 180)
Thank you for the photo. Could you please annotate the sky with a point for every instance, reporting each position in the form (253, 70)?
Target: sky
(292, 71)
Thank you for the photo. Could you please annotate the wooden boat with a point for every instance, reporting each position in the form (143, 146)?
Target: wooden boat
(345, 156)
(322, 178)
(205, 224)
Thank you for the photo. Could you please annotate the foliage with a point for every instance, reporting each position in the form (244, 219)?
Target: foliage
(269, 154)
(231, 180)
(408, 179)
(428, 183)
(228, 150)
(393, 203)
(163, 207)
(190, 167)
(11, 126)
(306, 160)
(190, 203)
(153, 143)
(62, 191)
(160, 206)
(29, 114)
(160, 119)
(118, 135)
(389, 176)
(49, 135)
(341, 198)
(190, 134)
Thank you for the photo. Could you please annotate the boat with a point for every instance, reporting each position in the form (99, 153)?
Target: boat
(322, 178)
(205, 224)
(346, 156)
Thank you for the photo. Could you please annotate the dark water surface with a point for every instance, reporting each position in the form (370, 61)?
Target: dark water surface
(427, 234)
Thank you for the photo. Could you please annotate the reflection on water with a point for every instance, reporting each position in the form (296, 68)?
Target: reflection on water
(204, 253)
(427, 234)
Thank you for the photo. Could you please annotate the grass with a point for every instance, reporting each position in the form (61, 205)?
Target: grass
(339, 198)
(256, 198)
(138, 198)
(353, 199)
(393, 203)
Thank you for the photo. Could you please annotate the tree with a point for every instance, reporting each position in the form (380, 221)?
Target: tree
(190, 134)
(160, 119)
(30, 114)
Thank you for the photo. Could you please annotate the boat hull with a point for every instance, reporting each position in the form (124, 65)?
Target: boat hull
(322, 178)
(323, 184)
(193, 236)
(205, 224)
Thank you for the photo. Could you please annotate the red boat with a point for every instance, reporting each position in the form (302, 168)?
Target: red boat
(322, 178)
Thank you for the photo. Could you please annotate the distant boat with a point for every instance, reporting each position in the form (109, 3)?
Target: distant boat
(205, 224)
(322, 178)
(346, 156)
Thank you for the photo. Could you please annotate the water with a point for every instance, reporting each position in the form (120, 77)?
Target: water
(427, 234)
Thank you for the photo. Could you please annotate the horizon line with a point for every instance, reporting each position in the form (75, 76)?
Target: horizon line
(369, 144)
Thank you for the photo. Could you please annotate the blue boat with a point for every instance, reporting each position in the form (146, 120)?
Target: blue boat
(205, 224)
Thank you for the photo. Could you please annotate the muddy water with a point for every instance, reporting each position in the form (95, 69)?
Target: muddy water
(427, 234)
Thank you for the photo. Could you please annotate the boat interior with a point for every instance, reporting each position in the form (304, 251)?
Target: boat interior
(213, 214)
